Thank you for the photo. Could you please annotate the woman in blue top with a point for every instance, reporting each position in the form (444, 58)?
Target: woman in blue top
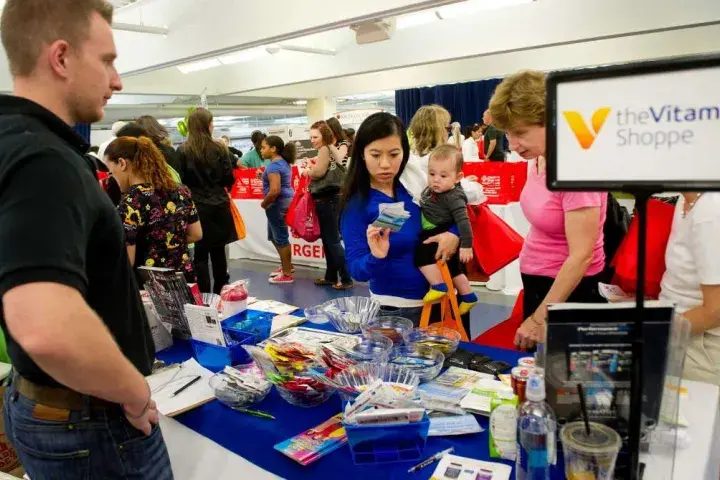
(278, 191)
(386, 260)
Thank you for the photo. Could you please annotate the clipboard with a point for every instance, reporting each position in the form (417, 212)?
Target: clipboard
(164, 383)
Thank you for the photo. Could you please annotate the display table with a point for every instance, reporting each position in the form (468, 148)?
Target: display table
(253, 439)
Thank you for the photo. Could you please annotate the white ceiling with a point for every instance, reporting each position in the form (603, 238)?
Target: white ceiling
(489, 38)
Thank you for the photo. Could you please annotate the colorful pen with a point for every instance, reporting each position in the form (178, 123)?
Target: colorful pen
(254, 413)
(431, 460)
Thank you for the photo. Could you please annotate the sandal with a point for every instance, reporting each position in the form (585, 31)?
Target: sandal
(343, 286)
(321, 282)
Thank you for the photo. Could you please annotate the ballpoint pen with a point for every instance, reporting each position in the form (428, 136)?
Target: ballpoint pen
(254, 413)
(431, 460)
(191, 382)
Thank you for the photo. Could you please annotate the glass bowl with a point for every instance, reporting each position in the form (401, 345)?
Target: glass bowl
(227, 390)
(316, 315)
(444, 339)
(349, 314)
(359, 377)
(425, 361)
(371, 348)
(312, 397)
(395, 328)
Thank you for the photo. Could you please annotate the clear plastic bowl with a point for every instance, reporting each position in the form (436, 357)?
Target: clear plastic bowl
(425, 361)
(444, 339)
(371, 348)
(396, 329)
(349, 314)
(316, 315)
(360, 376)
(305, 399)
(233, 396)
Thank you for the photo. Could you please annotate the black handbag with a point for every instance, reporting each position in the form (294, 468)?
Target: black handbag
(332, 180)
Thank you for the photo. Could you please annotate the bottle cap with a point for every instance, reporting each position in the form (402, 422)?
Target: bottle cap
(535, 390)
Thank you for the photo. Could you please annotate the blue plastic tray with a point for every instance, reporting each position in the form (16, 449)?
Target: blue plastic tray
(370, 444)
(216, 357)
(250, 323)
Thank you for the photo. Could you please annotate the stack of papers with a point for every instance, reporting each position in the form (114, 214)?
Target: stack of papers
(165, 383)
(454, 425)
(392, 216)
(282, 322)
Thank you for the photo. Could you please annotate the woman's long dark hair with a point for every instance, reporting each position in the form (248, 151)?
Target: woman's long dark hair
(287, 151)
(200, 142)
(376, 127)
(337, 129)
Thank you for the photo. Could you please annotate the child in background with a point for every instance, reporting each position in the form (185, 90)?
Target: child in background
(443, 205)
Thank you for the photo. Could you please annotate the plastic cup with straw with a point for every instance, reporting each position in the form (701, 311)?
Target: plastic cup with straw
(590, 448)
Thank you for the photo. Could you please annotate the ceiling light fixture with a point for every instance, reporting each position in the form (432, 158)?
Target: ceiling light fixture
(244, 55)
(201, 65)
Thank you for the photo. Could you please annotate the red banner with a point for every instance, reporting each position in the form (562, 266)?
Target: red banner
(502, 182)
(247, 185)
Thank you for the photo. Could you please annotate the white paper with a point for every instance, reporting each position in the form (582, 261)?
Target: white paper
(454, 425)
(273, 306)
(165, 383)
(471, 469)
(205, 325)
(285, 321)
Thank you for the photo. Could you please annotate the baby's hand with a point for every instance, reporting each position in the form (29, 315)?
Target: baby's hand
(466, 255)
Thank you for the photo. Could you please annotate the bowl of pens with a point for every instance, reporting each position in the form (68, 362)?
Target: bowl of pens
(240, 386)
(349, 314)
(396, 329)
(355, 380)
(436, 336)
(425, 361)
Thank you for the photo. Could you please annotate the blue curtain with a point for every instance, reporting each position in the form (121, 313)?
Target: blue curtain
(466, 102)
(83, 129)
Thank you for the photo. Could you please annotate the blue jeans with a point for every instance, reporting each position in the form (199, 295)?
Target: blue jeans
(97, 443)
(278, 232)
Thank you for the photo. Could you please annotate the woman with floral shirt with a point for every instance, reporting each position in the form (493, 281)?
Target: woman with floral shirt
(158, 214)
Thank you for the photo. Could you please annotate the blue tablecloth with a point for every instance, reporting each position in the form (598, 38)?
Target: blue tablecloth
(253, 438)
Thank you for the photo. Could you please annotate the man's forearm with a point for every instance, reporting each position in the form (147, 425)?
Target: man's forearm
(70, 343)
(491, 148)
(702, 319)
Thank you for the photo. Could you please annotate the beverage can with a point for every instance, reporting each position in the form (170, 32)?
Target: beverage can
(519, 380)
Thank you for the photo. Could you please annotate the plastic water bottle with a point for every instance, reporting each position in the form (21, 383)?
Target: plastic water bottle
(536, 434)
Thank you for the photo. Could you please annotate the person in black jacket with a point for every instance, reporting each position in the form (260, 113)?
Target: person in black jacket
(205, 166)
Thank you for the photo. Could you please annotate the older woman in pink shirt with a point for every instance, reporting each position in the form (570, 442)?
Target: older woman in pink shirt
(563, 255)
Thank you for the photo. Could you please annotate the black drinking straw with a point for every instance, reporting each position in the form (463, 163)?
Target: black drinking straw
(583, 408)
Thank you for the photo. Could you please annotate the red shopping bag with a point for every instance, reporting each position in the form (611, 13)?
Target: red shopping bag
(495, 243)
(659, 222)
(502, 335)
(305, 223)
(300, 185)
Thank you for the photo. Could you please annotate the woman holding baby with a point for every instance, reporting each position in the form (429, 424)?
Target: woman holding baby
(388, 260)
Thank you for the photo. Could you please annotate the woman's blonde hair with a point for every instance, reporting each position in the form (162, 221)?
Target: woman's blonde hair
(457, 134)
(428, 128)
(145, 160)
(519, 100)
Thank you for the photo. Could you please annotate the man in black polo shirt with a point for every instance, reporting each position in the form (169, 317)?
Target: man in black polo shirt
(494, 140)
(79, 405)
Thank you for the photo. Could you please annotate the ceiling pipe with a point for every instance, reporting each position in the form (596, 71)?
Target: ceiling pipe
(293, 48)
(131, 27)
